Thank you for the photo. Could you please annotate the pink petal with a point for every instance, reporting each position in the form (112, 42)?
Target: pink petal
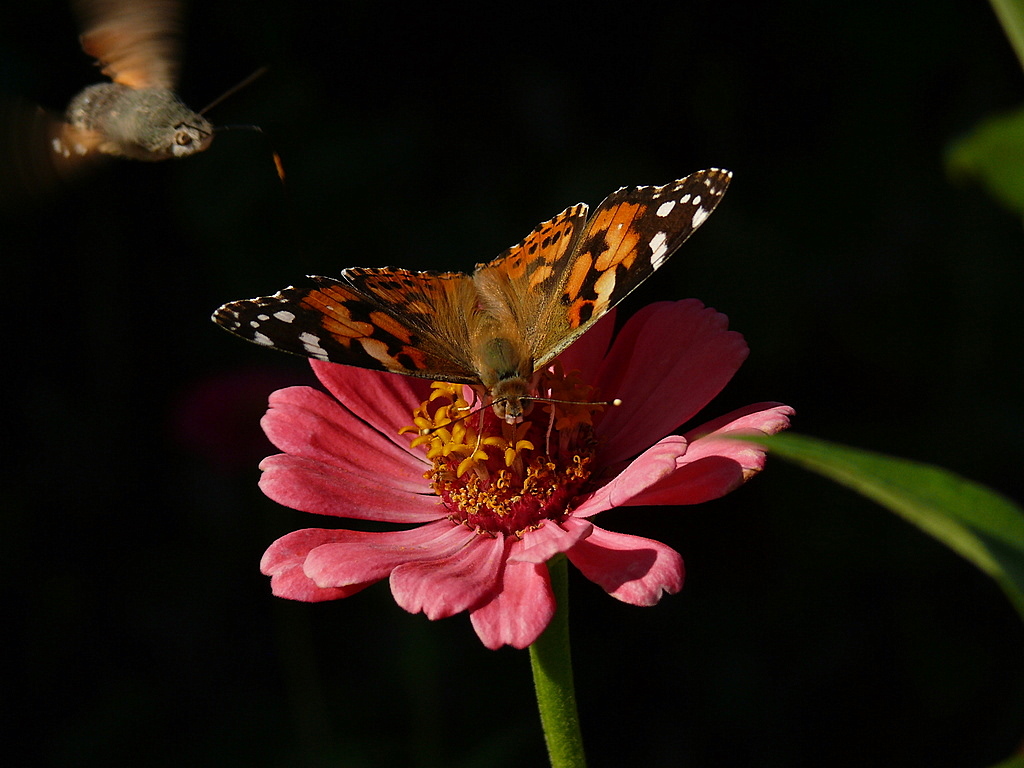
(307, 423)
(767, 418)
(667, 363)
(675, 471)
(649, 468)
(354, 557)
(541, 545)
(292, 584)
(310, 486)
(384, 400)
(443, 587)
(283, 563)
(629, 568)
(585, 354)
(520, 611)
(715, 464)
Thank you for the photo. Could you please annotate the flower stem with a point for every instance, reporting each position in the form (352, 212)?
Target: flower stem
(551, 661)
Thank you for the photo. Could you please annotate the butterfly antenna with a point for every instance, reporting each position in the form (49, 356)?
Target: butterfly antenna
(615, 402)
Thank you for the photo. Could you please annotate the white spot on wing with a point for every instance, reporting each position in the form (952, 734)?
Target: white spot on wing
(260, 338)
(285, 316)
(311, 344)
(666, 208)
(659, 249)
(699, 216)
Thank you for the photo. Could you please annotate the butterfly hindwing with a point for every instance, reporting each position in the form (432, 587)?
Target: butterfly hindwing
(526, 275)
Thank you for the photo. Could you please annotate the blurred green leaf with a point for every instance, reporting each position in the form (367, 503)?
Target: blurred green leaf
(1011, 15)
(994, 154)
(1017, 761)
(976, 522)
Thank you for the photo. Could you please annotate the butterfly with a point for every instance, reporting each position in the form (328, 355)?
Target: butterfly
(494, 328)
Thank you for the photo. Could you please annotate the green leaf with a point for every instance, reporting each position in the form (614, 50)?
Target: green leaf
(993, 153)
(1011, 15)
(1017, 761)
(976, 522)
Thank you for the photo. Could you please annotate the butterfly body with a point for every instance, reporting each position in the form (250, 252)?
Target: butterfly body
(494, 328)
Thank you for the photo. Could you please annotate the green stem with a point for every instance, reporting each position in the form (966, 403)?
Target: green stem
(1011, 16)
(551, 660)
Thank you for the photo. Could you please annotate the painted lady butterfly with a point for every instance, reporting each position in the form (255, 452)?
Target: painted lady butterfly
(510, 318)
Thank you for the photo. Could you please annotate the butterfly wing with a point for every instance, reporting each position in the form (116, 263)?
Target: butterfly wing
(383, 319)
(524, 279)
(630, 235)
(135, 41)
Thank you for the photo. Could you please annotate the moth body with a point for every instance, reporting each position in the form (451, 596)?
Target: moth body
(139, 123)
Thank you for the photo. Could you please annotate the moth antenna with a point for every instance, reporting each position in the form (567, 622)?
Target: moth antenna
(235, 89)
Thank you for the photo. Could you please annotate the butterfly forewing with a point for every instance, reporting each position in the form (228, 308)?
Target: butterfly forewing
(435, 306)
(334, 321)
(629, 236)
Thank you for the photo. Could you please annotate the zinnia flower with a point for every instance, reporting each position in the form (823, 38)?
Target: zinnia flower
(486, 504)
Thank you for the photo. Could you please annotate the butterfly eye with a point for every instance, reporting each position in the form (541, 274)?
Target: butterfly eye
(182, 137)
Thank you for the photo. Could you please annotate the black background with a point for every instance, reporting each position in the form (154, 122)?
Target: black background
(879, 297)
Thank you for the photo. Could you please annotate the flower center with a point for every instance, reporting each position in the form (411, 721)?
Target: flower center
(501, 478)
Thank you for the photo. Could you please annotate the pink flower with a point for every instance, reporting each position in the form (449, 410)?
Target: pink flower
(485, 504)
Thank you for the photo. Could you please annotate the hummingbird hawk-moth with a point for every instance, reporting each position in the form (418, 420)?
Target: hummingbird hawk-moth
(137, 114)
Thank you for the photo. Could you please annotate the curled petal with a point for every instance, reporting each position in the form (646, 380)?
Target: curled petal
(461, 581)
(707, 466)
(310, 486)
(283, 562)
(355, 557)
(520, 611)
(632, 569)
(648, 469)
(541, 545)
(766, 418)
(714, 463)
(668, 362)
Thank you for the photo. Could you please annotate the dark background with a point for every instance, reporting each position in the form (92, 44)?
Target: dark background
(880, 298)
